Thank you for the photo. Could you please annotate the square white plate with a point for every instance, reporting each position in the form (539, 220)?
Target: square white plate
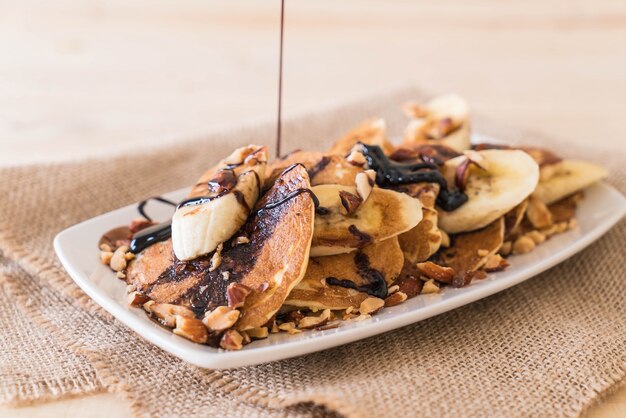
(77, 249)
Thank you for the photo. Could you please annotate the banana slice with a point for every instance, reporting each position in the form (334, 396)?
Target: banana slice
(570, 176)
(383, 215)
(370, 132)
(219, 203)
(443, 121)
(510, 178)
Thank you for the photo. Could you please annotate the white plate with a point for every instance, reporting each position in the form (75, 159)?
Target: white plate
(76, 247)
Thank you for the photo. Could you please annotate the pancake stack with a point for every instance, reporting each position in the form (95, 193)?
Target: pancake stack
(315, 238)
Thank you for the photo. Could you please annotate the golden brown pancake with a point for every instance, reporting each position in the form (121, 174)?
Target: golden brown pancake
(144, 269)
(422, 241)
(371, 269)
(370, 132)
(322, 168)
(272, 261)
(469, 251)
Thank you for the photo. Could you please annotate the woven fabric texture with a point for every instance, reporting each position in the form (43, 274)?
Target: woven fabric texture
(548, 347)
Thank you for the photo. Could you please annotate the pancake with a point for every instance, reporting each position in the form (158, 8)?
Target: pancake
(469, 251)
(371, 270)
(370, 132)
(322, 168)
(270, 263)
(423, 240)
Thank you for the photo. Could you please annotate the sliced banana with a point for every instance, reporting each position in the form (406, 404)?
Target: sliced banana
(219, 204)
(444, 120)
(383, 215)
(569, 177)
(511, 177)
(370, 132)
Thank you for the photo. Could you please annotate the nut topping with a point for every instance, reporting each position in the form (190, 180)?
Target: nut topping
(371, 305)
(523, 245)
(166, 312)
(220, 318)
(137, 299)
(118, 259)
(258, 333)
(430, 287)
(350, 202)
(191, 328)
(105, 257)
(495, 262)
(216, 258)
(395, 299)
(309, 322)
(437, 272)
(356, 157)
(365, 183)
(231, 340)
(236, 294)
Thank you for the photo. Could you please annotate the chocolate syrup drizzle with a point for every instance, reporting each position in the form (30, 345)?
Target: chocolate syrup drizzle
(280, 79)
(163, 231)
(376, 286)
(392, 173)
(141, 206)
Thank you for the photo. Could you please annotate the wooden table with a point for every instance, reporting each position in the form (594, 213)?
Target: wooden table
(84, 78)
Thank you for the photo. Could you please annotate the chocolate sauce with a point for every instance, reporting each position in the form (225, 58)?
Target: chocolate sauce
(142, 205)
(392, 173)
(151, 235)
(376, 286)
(287, 198)
(321, 164)
(280, 79)
(361, 236)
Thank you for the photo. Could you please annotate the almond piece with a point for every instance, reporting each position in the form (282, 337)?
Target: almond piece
(231, 340)
(236, 294)
(309, 322)
(105, 257)
(258, 333)
(137, 299)
(356, 157)
(536, 236)
(220, 318)
(437, 272)
(216, 258)
(191, 328)
(118, 260)
(430, 287)
(495, 262)
(371, 305)
(523, 245)
(350, 202)
(166, 312)
(393, 289)
(395, 299)
(286, 326)
(365, 183)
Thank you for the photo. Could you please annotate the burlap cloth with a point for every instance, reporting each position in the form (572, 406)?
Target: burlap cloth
(548, 347)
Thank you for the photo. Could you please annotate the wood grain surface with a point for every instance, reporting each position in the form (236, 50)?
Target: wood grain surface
(81, 78)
